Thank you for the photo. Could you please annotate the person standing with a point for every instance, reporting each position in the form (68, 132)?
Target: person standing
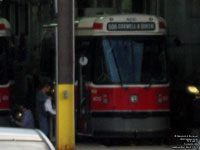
(48, 106)
(41, 98)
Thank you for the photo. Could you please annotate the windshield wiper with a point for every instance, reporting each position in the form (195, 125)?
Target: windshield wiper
(151, 82)
(149, 86)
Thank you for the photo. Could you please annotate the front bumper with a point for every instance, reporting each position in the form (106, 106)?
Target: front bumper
(130, 127)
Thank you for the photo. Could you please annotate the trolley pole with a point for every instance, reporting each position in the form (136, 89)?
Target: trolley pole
(65, 86)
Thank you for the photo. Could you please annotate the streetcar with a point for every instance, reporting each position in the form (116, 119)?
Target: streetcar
(121, 79)
(6, 79)
(125, 84)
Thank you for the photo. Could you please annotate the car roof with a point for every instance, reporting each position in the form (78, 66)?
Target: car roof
(19, 134)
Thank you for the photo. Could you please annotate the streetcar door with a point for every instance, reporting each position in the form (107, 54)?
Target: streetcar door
(84, 52)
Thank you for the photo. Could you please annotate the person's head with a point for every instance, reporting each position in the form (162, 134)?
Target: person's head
(23, 107)
(46, 87)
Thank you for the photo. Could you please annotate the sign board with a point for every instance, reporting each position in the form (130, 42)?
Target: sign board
(131, 26)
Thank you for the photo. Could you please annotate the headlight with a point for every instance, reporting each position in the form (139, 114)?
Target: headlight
(193, 89)
(134, 98)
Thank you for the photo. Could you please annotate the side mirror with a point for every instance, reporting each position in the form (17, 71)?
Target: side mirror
(83, 60)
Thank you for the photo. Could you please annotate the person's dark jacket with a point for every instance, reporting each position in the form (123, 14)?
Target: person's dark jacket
(40, 100)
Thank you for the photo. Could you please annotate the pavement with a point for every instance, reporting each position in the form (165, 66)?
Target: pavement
(132, 147)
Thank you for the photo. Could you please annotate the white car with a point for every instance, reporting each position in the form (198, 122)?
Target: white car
(21, 139)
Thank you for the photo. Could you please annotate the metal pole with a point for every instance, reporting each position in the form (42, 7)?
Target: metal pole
(65, 89)
(80, 95)
(158, 8)
(56, 6)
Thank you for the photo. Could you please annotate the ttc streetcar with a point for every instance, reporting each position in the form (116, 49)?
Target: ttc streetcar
(125, 85)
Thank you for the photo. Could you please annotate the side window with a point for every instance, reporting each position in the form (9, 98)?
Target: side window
(4, 66)
(3, 46)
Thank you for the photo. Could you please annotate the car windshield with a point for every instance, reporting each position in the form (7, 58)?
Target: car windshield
(22, 145)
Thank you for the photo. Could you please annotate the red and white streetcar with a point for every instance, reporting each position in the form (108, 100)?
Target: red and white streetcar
(125, 90)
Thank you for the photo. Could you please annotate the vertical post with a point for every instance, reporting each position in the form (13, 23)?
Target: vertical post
(158, 7)
(65, 89)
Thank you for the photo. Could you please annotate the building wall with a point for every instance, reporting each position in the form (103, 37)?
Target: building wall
(183, 19)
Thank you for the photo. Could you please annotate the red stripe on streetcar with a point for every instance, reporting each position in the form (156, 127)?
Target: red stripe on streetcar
(119, 99)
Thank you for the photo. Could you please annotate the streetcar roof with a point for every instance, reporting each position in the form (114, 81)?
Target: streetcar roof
(123, 24)
(5, 27)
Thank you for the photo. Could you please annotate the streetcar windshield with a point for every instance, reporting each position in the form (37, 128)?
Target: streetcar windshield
(135, 60)
(125, 60)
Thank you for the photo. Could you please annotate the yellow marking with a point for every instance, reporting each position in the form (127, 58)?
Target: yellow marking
(65, 118)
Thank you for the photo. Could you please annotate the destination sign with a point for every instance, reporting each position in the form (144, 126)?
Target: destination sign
(131, 26)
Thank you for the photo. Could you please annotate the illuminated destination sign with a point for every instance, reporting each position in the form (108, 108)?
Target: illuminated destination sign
(131, 26)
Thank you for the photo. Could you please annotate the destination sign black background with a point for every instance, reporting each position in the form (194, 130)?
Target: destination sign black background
(131, 26)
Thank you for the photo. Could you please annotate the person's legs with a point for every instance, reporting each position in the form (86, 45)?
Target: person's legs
(43, 124)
